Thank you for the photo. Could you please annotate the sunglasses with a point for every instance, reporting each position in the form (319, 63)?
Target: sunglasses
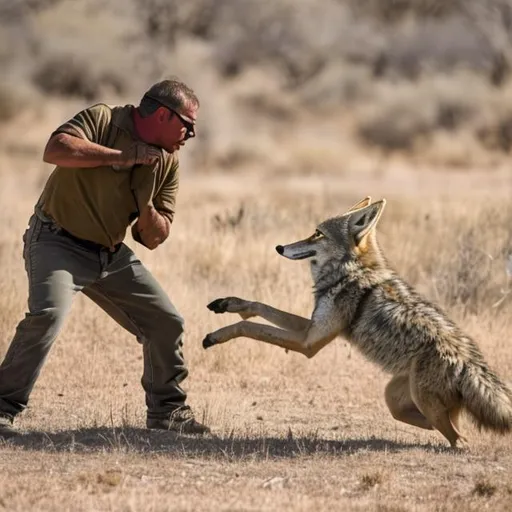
(189, 127)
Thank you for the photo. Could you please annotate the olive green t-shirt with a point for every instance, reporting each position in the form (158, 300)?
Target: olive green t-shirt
(99, 203)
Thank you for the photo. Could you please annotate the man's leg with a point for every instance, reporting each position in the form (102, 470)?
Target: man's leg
(55, 272)
(132, 296)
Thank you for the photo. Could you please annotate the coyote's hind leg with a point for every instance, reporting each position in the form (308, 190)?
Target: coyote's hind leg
(400, 404)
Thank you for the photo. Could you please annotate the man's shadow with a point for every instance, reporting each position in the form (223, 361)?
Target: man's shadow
(140, 440)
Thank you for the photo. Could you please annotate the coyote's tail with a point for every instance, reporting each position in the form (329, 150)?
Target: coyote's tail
(486, 398)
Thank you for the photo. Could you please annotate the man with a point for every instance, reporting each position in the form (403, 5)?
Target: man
(113, 165)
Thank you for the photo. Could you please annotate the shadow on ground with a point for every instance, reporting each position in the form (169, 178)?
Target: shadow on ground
(231, 447)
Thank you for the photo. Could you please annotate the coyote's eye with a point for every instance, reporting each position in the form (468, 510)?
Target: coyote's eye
(317, 235)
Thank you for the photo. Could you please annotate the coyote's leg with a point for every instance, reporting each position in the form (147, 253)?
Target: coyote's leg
(307, 342)
(247, 309)
(442, 421)
(400, 404)
(454, 417)
(430, 404)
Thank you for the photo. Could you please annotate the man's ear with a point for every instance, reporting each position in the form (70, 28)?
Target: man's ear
(363, 220)
(162, 114)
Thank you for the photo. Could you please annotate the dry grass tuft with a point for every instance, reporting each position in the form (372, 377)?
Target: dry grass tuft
(484, 488)
(371, 480)
(104, 480)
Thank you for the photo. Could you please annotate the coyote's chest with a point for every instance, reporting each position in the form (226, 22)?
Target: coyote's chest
(337, 307)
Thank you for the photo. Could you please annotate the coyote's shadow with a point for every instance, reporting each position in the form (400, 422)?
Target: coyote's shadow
(139, 440)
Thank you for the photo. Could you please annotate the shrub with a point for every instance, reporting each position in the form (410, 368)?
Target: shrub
(67, 75)
(11, 102)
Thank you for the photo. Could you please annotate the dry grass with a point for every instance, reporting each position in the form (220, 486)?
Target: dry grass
(292, 434)
(305, 109)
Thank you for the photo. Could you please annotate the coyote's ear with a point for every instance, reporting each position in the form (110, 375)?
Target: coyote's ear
(360, 204)
(363, 220)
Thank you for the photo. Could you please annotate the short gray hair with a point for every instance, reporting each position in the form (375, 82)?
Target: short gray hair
(171, 93)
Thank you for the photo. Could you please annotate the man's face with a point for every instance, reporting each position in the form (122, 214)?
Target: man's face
(177, 126)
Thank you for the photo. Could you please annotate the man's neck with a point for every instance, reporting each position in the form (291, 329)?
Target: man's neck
(143, 126)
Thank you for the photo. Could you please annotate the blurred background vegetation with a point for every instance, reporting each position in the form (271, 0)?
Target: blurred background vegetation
(300, 85)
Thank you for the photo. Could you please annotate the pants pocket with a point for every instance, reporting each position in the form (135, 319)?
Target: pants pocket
(31, 235)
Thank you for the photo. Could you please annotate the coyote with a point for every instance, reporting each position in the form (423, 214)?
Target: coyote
(437, 369)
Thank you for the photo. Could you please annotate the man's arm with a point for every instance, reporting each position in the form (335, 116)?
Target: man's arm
(67, 150)
(154, 223)
(152, 227)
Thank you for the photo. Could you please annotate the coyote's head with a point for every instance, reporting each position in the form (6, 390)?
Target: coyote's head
(345, 238)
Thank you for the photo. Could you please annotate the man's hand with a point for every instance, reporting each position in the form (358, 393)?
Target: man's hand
(138, 153)
(151, 227)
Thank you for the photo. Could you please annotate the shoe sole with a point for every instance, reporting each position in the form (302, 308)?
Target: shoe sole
(8, 434)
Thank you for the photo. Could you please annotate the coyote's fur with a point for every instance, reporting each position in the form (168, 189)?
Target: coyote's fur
(437, 369)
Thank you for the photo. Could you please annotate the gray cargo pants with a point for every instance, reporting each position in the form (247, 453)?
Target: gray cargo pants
(58, 266)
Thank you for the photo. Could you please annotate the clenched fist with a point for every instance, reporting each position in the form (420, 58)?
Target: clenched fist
(138, 153)
(151, 228)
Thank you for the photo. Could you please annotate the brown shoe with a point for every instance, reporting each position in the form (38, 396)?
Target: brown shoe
(6, 426)
(180, 420)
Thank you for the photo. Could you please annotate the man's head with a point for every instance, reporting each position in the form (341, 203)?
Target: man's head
(167, 114)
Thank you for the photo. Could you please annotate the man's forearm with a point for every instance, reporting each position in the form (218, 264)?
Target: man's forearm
(153, 227)
(159, 224)
(69, 151)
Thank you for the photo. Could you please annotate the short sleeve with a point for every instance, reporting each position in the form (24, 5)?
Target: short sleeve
(165, 200)
(91, 123)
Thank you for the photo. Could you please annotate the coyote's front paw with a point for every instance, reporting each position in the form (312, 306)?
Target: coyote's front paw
(209, 341)
(218, 306)
(231, 305)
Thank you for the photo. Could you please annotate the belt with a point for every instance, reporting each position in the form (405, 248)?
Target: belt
(88, 244)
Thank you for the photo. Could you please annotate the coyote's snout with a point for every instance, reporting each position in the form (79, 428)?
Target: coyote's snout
(298, 251)
(437, 369)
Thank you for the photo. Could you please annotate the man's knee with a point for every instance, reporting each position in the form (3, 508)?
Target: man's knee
(175, 324)
(165, 324)
(46, 321)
